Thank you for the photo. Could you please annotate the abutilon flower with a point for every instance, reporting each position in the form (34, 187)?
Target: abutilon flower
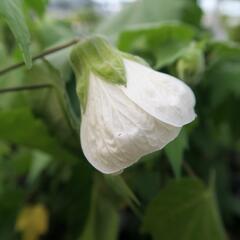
(128, 109)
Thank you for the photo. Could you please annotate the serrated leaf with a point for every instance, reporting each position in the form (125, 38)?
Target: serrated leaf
(164, 42)
(11, 12)
(184, 210)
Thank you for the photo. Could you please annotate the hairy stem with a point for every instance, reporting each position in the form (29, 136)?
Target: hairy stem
(41, 55)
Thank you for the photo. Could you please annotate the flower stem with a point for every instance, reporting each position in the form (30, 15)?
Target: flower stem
(189, 170)
(41, 55)
(25, 88)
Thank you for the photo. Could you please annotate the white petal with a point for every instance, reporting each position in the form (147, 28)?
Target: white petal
(115, 132)
(161, 95)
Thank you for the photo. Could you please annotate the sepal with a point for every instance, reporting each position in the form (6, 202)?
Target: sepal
(96, 56)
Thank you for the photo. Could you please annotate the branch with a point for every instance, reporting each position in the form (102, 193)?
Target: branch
(25, 88)
(41, 55)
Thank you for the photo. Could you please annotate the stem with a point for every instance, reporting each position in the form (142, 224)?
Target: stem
(25, 88)
(41, 55)
(189, 170)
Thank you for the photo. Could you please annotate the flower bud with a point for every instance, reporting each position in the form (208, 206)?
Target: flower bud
(191, 66)
(128, 109)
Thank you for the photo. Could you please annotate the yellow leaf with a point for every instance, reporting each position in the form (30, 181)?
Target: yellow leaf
(32, 221)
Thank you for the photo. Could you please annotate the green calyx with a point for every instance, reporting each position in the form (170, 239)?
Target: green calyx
(134, 58)
(96, 56)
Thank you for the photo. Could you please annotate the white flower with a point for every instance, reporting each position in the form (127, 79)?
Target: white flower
(128, 109)
(123, 123)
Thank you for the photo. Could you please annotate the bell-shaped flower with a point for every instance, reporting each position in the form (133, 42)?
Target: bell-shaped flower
(128, 109)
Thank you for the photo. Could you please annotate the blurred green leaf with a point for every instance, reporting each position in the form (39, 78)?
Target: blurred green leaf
(53, 104)
(152, 11)
(145, 182)
(10, 203)
(39, 6)
(68, 195)
(21, 127)
(165, 42)
(4, 148)
(175, 150)
(103, 220)
(58, 32)
(123, 193)
(11, 12)
(19, 162)
(39, 162)
(120, 187)
(222, 76)
(223, 79)
(184, 210)
(222, 50)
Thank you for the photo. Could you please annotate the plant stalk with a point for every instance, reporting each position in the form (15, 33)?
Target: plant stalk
(25, 88)
(41, 55)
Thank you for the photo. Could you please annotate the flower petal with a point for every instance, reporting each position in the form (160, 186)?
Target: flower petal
(115, 132)
(161, 95)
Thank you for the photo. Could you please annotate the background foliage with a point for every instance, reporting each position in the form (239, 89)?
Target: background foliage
(190, 190)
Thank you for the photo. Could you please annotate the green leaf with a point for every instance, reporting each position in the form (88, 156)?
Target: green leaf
(10, 203)
(184, 210)
(175, 150)
(38, 6)
(103, 220)
(146, 183)
(40, 161)
(222, 76)
(223, 80)
(151, 11)
(222, 89)
(60, 32)
(120, 187)
(222, 50)
(69, 195)
(4, 149)
(164, 43)
(19, 126)
(11, 12)
(123, 193)
(53, 104)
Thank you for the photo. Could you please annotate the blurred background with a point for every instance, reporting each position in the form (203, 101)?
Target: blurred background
(188, 191)
(214, 11)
